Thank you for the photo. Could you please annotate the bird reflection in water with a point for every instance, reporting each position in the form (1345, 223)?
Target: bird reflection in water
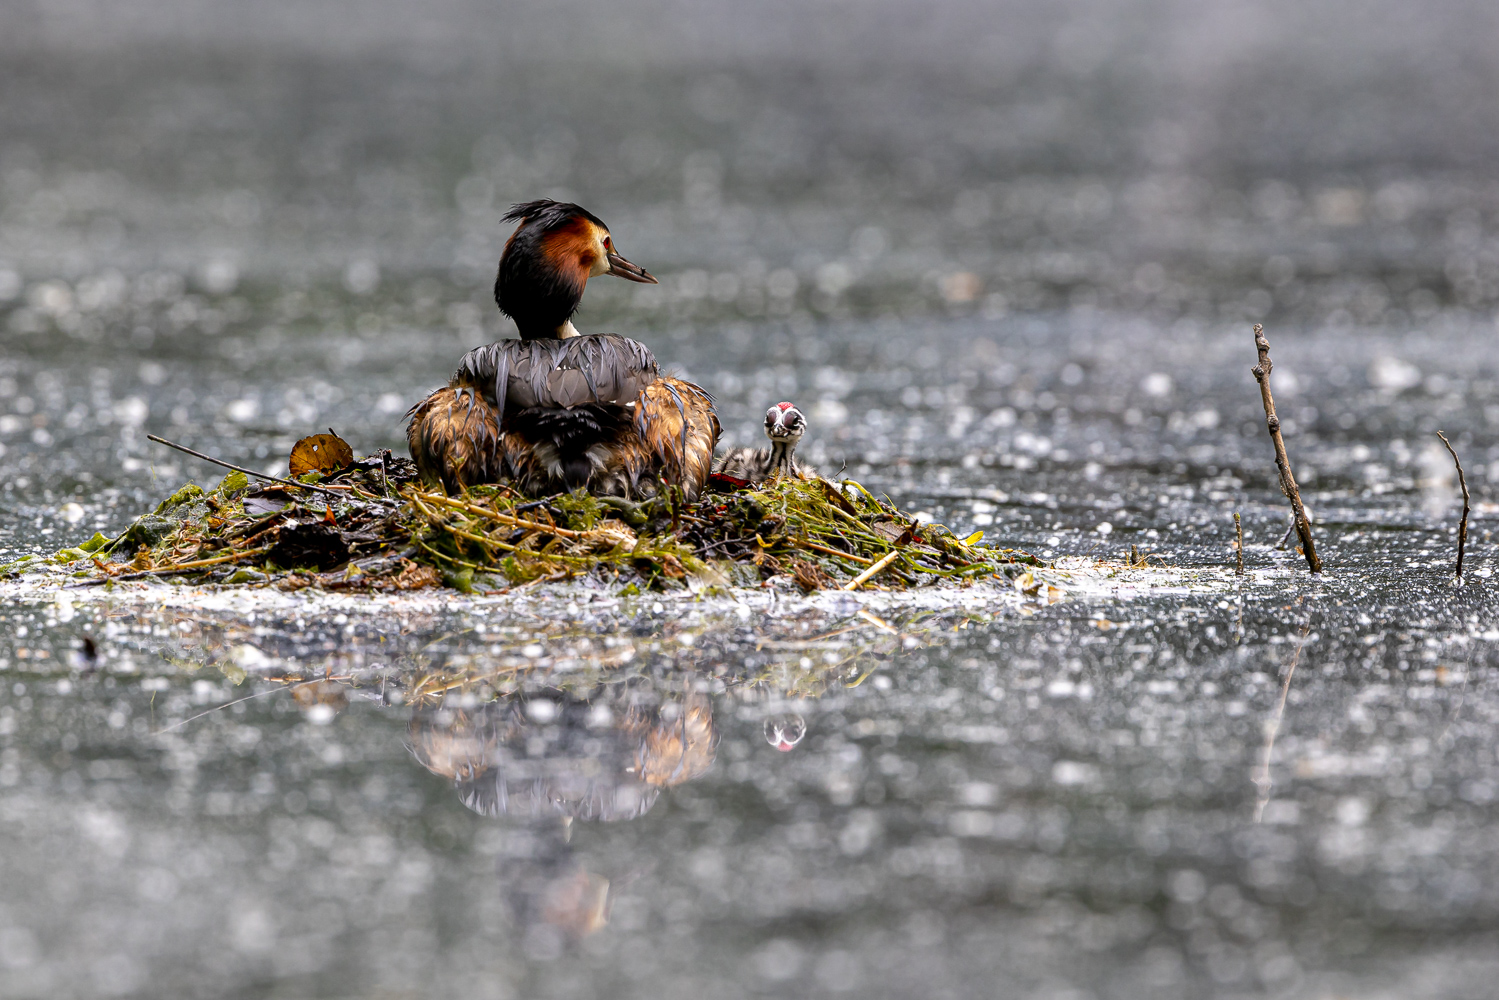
(602, 759)
(554, 758)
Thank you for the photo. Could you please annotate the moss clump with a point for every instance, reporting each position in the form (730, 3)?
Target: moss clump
(579, 510)
(82, 550)
(186, 494)
(232, 483)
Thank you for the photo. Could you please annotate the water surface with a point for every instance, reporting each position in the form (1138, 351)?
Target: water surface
(1007, 261)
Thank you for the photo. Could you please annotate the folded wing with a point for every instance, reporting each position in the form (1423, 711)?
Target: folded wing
(551, 415)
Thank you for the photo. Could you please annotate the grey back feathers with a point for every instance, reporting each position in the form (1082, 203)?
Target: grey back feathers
(515, 375)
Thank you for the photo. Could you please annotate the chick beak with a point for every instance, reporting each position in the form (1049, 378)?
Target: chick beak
(621, 268)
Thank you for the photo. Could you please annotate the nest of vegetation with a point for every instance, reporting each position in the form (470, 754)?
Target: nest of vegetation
(374, 526)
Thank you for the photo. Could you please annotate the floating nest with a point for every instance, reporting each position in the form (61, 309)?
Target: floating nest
(372, 525)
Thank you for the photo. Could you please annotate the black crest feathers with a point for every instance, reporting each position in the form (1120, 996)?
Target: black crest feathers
(549, 214)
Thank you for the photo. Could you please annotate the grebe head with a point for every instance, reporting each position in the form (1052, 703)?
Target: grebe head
(547, 263)
(784, 424)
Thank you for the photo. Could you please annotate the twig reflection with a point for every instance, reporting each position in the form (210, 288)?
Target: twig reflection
(1261, 778)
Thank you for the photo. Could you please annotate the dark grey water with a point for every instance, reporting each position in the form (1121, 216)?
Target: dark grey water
(1006, 257)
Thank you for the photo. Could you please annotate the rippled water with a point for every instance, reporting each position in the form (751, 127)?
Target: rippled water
(1006, 259)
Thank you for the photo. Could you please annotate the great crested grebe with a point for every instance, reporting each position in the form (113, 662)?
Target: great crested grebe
(558, 410)
(784, 425)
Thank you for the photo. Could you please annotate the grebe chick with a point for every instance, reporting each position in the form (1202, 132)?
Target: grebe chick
(784, 426)
(558, 410)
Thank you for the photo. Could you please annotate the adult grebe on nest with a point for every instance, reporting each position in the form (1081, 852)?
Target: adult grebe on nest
(784, 426)
(558, 410)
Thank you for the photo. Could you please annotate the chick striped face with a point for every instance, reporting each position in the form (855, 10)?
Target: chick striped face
(784, 422)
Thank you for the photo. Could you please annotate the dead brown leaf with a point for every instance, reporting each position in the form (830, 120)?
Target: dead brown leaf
(416, 576)
(320, 453)
(836, 498)
(809, 576)
(896, 532)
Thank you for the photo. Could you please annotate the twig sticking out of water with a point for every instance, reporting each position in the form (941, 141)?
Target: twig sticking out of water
(1462, 526)
(1239, 543)
(1261, 374)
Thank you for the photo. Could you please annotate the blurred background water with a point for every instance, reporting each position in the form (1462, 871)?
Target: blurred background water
(1006, 256)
